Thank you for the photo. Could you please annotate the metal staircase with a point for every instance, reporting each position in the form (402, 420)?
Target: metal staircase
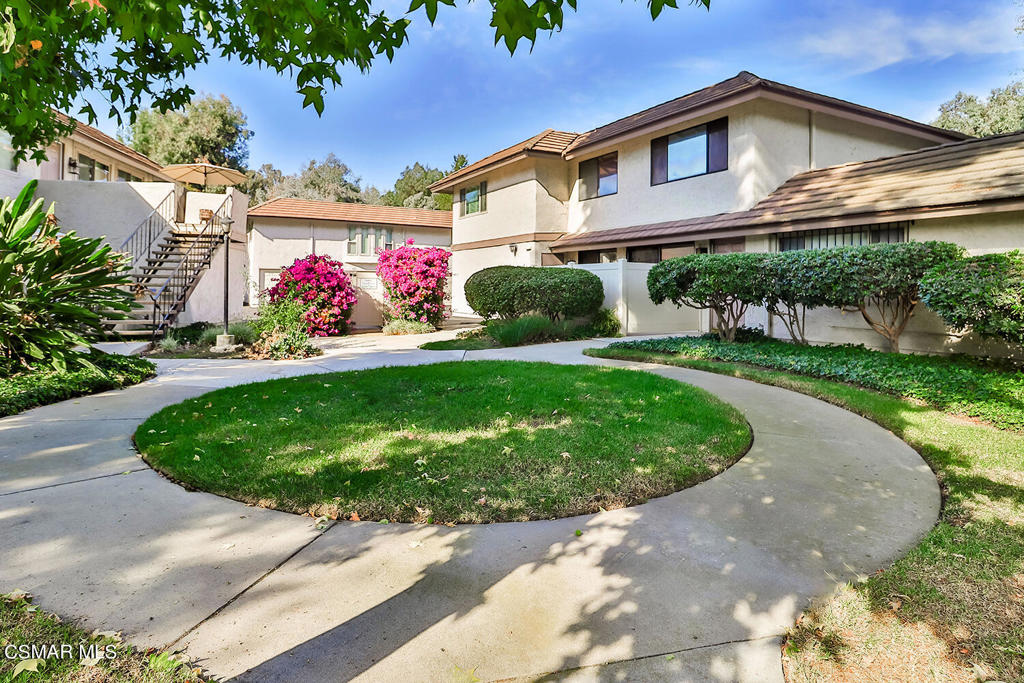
(167, 260)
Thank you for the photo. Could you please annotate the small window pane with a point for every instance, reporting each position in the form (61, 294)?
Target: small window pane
(473, 199)
(607, 174)
(86, 168)
(644, 254)
(687, 154)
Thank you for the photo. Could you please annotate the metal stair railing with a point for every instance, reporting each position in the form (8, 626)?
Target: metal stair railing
(139, 244)
(172, 293)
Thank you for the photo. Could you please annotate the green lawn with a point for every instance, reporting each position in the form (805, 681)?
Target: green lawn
(451, 442)
(107, 659)
(44, 385)
(953, 608)
(469, 344)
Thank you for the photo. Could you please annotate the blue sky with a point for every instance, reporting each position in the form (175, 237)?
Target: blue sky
(451, 90)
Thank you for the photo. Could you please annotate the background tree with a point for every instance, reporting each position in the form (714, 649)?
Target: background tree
(134, 51)
(411, 187)
(207, 128)
(1002, 112)
(328, 180)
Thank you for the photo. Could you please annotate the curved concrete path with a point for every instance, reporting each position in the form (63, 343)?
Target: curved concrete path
(698, 585)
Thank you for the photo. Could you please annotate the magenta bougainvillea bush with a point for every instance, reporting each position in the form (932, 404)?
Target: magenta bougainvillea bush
(414, 281)
(321, 284)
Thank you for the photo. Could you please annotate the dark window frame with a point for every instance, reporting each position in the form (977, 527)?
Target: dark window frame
(900, 230)
(596, 161)
(716, 153)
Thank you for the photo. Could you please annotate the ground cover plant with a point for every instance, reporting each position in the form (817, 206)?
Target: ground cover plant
(107, 660)
(414, 281)
(42, 384)
(320, 284)
(967, 386)
(953, 608)
(450, 442)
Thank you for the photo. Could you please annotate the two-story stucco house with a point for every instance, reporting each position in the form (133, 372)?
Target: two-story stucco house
(733, 167)
(283, 229)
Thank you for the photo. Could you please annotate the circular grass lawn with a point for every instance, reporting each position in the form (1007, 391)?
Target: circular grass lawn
(460, 442)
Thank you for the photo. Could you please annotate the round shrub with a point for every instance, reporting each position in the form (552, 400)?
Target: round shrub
(514, 291)
(984, 293)
(321, 285)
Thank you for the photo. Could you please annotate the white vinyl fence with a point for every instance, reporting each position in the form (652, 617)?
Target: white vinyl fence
(625, 292)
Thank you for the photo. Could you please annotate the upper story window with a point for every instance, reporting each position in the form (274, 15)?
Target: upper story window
(473, 199)
(853, 236)
(127, 177)
(365, 240)
(599, 176)
(90, 169)
(691, 152)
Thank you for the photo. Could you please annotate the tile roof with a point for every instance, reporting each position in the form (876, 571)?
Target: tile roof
(288, 207)
(549, 141)
(744, 83)
(98, 136)
(958, 177)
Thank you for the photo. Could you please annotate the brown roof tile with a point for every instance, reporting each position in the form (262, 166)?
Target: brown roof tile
(549, 141)
(98, 136)
(288, 207)
(958, 177)
(744, 83)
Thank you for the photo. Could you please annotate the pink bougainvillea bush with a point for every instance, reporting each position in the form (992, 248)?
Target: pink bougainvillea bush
(321, 284)
(414, 280)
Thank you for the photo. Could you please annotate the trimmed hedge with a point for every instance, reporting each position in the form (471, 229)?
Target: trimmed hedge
(958, 384)
(45, 385)
(984, 293)
(514, 291)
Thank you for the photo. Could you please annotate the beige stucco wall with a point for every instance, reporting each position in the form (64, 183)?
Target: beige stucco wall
(206, 304)
(769, 142)
(522, 197)
(925, 333)
(275, 243)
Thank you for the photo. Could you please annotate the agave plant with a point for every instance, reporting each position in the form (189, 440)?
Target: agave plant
(55, 288)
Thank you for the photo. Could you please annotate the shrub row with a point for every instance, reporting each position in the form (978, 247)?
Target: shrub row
(533, 329)
(879, 281)
(43, 385)
(514, 291)
(959, 384)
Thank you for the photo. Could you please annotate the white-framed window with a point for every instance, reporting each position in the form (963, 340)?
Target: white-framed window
(473, 199)
(367, 240)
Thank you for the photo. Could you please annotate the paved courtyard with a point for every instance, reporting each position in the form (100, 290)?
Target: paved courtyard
(698, 585)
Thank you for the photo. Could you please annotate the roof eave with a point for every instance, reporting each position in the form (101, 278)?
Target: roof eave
(448, 184)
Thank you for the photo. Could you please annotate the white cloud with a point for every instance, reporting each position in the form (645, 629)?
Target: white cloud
(874, 38)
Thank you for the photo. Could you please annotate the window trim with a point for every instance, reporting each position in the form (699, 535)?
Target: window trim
(597, 161)
(723, 123)
(359, 234)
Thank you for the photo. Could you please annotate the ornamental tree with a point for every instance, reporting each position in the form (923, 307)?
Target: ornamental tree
(136, 51)
(320, 283)
(792, 287)
(726, 284)
(984, 293)
(881, 281)
(415, 281)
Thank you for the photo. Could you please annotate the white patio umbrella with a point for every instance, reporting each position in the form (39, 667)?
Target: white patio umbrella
(201, 173)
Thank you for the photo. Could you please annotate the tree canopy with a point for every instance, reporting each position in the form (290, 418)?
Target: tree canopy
(328, 180)
(1001, 112)
(411, 187)
(209, 127)
(136, 52)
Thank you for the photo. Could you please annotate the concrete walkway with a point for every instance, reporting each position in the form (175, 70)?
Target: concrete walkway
(695, 586)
